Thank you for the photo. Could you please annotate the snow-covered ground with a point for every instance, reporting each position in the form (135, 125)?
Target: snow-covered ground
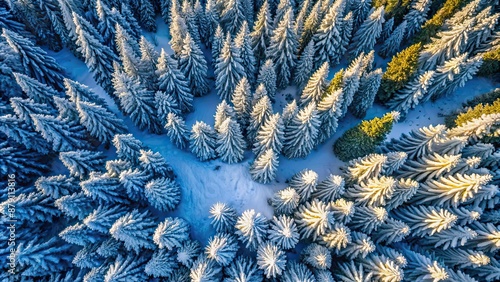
(204, 183)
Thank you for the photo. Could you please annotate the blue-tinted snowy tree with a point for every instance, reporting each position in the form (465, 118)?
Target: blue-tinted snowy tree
(163, 193)
(176, 130)
(135, 229)
(171, 233)
(194, 66)
(230, 142)
(223, 217)
(251, 228)
(301, 133)
(229, 69)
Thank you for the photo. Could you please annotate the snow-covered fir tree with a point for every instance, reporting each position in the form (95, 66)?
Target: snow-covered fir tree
(368, 87)
(271, 260)
(81, 162)
(194, 66)
(251, 228)
(315, 87)
(264, 167)
(328, 38)
(261, 33)
(163, 194)
(283, 232)
(285, 201)
(305, 64)
(267, 77)
(230, 142)
(176, 130)
(391, 44)
(243, 44)
(229, 69)
(261, 111)
(301, 133)
(171, 80)
(202, 141)
(416, 16)
(270, 135)
(171, 233)
(365, 37)
(135, 230)
(222, 248)
(282, 49)
(223, 217)
(241, 100)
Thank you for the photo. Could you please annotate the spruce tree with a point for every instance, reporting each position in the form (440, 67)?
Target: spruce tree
(147, 15)
(416, 16)
(260, 112)
(328, 38)
(127, 147)
(270, 135)
(136, 101)
(176, 130)
(363, 138)
(313, 219)
(304, 69)
(267, 77)
(241, 100)
(62, 136)
(166, 103)
(229, 69)
(172, 80)
(365, 97)
(212, 22)
(222, 248)
(271, 260)
(178, 30)
(23, 108)
(283, 232)
(217, 44)
(282, 49)
(81, 162)
(261, 33)
(361, 10)
(98, 57)
(223, 217)
(285, 201)
(128, 51)
(223, 112)
(391, 44)
(35, 62)
(163, 194)
(203, 141)
(263, 169)
(251, 228)
(243, 44)
(39, 92)
(329, 111)
(365, 37)
(301, 133)
(99, 122)
(410, 95)
(310, 26)
(135, 230)
(104, 188)
(233, 15)
(193, 65)
(346, 33)
(315, 87)
(243, 268)
(230, 142)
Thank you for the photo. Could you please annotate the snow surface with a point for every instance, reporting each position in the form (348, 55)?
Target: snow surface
(205, 183)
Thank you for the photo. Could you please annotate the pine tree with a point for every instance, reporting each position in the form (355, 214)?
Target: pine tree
(217, 44)
(425, 220)
(242, 42)
(233, 15)
(24, 108)
(261, 33)
(373, 192)
(251, 228)
(267, 77)
(127, 147)
(163, 194)
(283, 232)
(75, 205)
(161, 264)
(188, 252)
(212, 22)
(76, 91)
(418, 142)
(363, 138)
(99, 122)
(301, 133)
(346, 33)
(361, 10)
(147, 15)
(223, 112)
(32, 207)
(315, 87)
(62, 136)
(128, 51)
(410, 95)
(103, 187)
(203, 141)
(270, 135)
(241, 100)
(317, 256)
(134, 182)
(416, 16)
(39, 92)
(205, 269)
(453, 74)
(223, 217)
(367, 219)
(329, 111)
(177, 130)
(172, 232)
(189, 16)
(55, 186)
(263, 169)
(102, 218)
(193, 65)
(229, 69)
(304, 182)
(129, 268)
(310, 26)
(365, 37)
(35, 62)
(304, 69)
(136, 101)
(178, 30)
(153, 162)
(135, 230)
(80, 163)
(391, 44)
(313, 219)
(285, 201)
(230, 142)
(368, 87)
(261, 111)
(282, 49)
(297, 272)
(222, 248)
(244, 269)
(271, 260)
(328, 38)
(98, 58)
(166, 104)
(42, 257)
(329, 189)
